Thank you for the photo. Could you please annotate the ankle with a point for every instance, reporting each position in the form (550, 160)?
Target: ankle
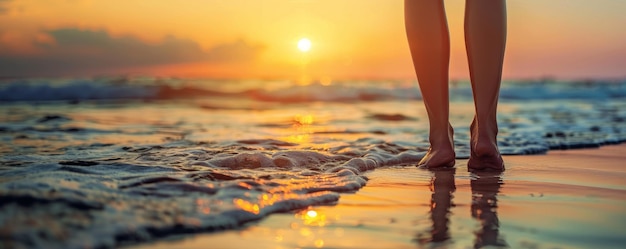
(484, 128)
(441, 142)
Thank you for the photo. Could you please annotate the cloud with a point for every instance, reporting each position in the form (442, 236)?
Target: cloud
(76, 51)
(3, 8)
(236, 51)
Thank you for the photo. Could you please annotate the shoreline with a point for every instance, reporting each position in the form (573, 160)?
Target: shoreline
(540, 201)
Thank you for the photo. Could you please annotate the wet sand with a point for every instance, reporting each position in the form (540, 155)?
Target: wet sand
(564, 199)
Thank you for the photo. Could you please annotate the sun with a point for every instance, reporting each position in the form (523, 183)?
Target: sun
(304, 44)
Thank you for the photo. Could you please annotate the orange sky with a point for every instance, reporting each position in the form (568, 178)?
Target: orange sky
(257, 38)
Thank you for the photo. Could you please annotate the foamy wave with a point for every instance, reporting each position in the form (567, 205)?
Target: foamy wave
(174, 189)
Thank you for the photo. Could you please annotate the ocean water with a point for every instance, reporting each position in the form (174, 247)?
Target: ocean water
(104, 162)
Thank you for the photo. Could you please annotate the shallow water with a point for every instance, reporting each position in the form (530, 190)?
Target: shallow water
(527, 206)
(126, 163)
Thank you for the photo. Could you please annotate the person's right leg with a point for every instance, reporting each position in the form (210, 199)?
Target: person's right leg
(429, 41)
(485, 38)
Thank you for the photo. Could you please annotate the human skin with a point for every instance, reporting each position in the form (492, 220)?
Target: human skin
(429, 42)
(485, 40)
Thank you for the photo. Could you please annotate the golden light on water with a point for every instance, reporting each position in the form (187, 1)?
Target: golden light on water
(312, 218)
(304, 44)
(306, 119)
(311, 214)
(247, 206)
(302, 129)
(319, 243)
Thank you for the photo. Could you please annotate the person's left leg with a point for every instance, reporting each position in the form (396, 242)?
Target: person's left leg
(485, 39)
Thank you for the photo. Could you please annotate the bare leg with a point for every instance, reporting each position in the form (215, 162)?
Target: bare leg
(485, 38)
(427, 33)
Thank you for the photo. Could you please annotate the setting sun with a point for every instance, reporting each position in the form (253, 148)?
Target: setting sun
(304, 44)
(243, 39)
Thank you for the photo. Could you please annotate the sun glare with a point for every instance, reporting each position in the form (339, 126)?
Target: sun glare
(304, 44)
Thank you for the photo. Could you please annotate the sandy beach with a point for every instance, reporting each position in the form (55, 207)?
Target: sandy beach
(140, 164)
(564, 199)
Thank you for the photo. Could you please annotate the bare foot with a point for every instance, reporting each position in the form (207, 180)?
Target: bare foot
(485, 154)
(441, 152)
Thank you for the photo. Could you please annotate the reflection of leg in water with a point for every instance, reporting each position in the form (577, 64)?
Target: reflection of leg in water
(484, 209)
(442, 187)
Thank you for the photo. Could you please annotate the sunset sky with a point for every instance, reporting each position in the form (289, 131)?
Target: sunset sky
(258, 38)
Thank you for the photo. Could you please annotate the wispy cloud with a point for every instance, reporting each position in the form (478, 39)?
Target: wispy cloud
(3, 6)
(73, 51)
